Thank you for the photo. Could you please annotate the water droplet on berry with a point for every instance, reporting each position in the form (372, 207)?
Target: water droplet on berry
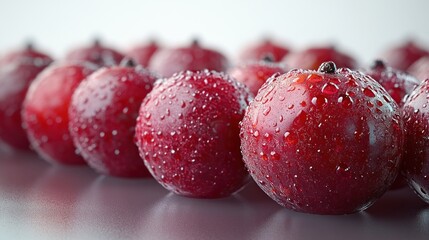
(290, 138)
(345, 101)
(319, 101)
(256, 133)
(329, 88)
(266, 111)
(314, 78)
(368, 92)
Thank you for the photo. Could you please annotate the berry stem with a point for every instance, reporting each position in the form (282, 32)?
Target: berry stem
(327, 67)
(269, 58)
(128, 62)
(378, 64)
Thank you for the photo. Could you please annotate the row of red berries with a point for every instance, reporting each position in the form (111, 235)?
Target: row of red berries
(329, 141)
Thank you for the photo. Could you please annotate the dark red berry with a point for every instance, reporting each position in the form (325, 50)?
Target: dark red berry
(403, 56)
(416, 155)
(103, 115)
(325, 142)
(396, 82)
(420, 68)
(188, 134)
(265, 48)
(193, 58)
(254, 74)
(142, 54)
(45, 111)
(312, 58)
(17, 70)
(96, 53)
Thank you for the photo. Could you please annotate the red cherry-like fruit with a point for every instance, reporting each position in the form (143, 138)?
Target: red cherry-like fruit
(142, 54)
(396, 82)
(96, 53)
(403, 56)
(416, 155)
(312, 58)
(420, 68)
(17, 70)
(259, 51)
(193, 58)
(324, 142)
(45, 111)
(188, 134)
(254, 74)
(102, 118)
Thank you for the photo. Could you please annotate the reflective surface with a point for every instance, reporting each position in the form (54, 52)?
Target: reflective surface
(41, 201)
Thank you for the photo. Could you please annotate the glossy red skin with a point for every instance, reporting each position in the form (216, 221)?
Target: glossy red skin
(254, 74)
(403, 56)
(396, 82)
(17, 70)
(312, 58)
(45, 112)
(96, 54)
(420, 68)
(317, 143)
(188, 134)
(192, 58)
(416, 156)
(261, 50)
(102, 119)
(142, 54)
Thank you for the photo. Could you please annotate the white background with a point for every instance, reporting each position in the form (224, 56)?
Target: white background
(363, 27)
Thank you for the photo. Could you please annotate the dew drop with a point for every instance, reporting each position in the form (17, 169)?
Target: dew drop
(368, 92)
(256, 133)
(266, 111)
(329, 88)
(319, 101)
(314, 78)
(345, 101)
(290, 138)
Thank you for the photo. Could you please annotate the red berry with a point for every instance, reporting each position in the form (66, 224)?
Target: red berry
(254, 74)
(312, 58)
(103, 115)
(193, 58)
(325, 142)
(96, 54)
(416, 156)
(45, 111)
(17, 70)
(142, 54)
(396, 82)
(420, 68)
(188, 134)
(259, 51)
(403, 56)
